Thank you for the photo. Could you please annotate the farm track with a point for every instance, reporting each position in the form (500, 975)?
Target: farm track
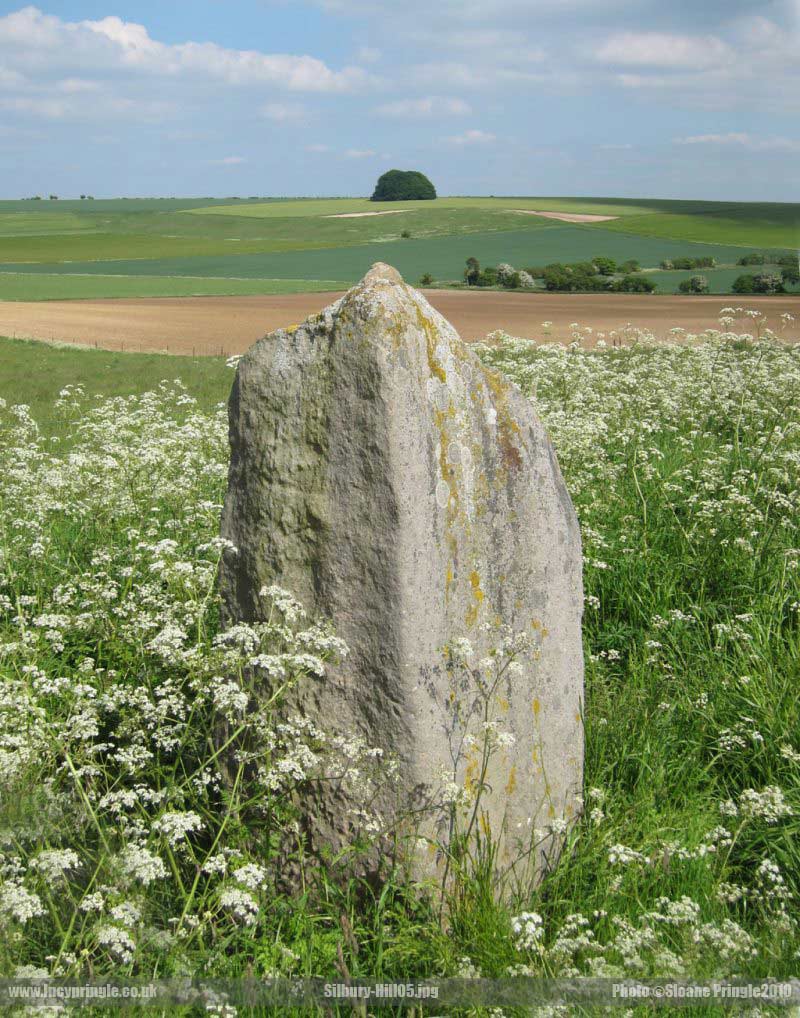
(229, 325)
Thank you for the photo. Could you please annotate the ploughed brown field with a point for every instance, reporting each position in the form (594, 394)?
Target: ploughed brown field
(229, 325)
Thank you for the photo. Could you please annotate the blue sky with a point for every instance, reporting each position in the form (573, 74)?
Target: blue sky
(273, 97)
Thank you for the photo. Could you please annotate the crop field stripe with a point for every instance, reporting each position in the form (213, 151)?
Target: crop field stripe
(749, 235)
(77, 286)
(344, 206)
(443, 257)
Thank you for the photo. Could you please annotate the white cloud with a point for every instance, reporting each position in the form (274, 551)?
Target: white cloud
(31, 39)
(284, 113)
(742, 140)
(360, 153)
(616, 148)
(368, 55)
(318, 148)
(662, 50)
(229, 161)
(473, 137)
(72, 86)
(429, 106)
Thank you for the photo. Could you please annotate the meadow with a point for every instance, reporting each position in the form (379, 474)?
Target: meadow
(72, 286)
(306, 239)
(124, 852)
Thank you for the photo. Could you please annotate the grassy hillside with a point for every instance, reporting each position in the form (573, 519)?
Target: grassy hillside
(330, 239)
(34, 373)
(444, 257)
(65, 286)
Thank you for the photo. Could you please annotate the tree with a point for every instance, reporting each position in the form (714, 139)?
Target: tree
(505, 273)
(744, 284)
(472, 271)
(425, 279)
(488, 276)
(633, 284)
(630, 266)
(525, 280)
(769, 282)
(790, 275)
(605, 266)
(695, 284)
(752, 259)
(403, 185)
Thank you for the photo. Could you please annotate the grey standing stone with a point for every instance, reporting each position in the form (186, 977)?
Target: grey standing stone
(403, 490)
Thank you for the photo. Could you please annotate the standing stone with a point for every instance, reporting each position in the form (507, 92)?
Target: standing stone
(401, 489)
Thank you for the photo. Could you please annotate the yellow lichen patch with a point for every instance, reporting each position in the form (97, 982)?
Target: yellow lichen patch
(512, 781)
(477, 593)
(471, 776)
(502, 703)
(506, 425)
(427, 327)
(551, 811)
(536, 707)
(534, 754)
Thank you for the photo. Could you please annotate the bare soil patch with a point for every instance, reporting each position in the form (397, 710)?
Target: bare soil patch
(567, 217)
(215, 325)
(360, 215)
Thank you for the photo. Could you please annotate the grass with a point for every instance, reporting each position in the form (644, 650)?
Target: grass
(720, 280)
(34, 373)
(338, 206)
(61, 286)
(683, 466)
(734, 228)
(443, 257)
(170, 234)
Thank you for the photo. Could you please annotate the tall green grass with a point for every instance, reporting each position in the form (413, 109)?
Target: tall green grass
(683, 465)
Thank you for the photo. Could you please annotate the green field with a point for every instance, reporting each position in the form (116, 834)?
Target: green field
(443, 257)
(34, 373)
(64, 286)
(296, 240)
(720, 280)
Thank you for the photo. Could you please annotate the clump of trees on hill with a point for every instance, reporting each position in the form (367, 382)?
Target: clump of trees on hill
(597, 275)
(403, 185)
(763, 282)
(503, 275)
(686, 262)
(767, 281)
(695, 284)
(760, 258)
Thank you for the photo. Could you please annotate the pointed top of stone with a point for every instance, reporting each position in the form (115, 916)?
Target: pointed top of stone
(381, 272)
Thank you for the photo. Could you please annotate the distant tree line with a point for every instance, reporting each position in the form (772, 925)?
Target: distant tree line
(687, 262)
(600, 274)
(604, 274)
(759, 258)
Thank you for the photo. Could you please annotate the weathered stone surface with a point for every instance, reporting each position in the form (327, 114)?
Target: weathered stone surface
(398, 487)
